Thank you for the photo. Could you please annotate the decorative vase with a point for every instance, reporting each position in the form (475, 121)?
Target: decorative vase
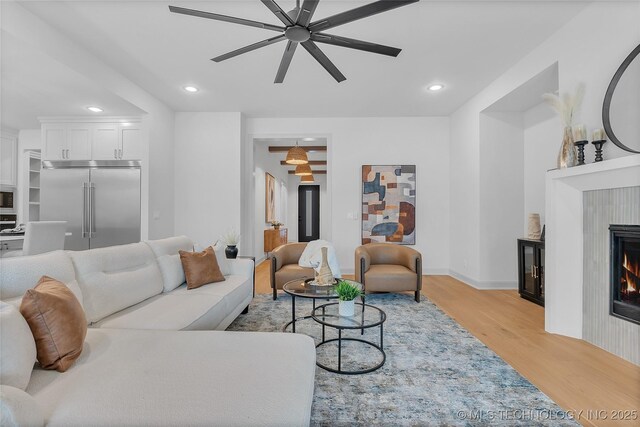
(534, 226)
(231, 251)
(346, 308)
(276, 227)
(568, 155)
(324, 276)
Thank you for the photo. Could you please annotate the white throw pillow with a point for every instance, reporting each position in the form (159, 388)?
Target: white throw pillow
(166, 252)
(19, 409)
(18, 348)
(221, 257)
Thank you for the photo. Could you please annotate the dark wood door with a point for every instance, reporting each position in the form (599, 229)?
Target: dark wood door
(308, 213)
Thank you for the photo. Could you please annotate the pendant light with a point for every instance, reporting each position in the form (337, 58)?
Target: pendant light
(296, 156)
(307, 178)
(302, 170)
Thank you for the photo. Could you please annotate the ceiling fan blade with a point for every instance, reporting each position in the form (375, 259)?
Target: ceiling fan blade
(315, 51)
(355, 44)
(306, 12)
(249, 48)
(225, 18)
(286, 61)
(277, 10)
(358, 13)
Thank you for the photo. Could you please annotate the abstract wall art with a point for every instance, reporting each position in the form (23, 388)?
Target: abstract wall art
(270, 198)
(389, 204)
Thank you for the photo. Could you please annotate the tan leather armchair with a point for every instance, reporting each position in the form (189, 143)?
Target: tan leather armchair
(284, 265)
(385, 267)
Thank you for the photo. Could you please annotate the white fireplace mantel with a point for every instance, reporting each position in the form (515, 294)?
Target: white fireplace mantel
(564, 235)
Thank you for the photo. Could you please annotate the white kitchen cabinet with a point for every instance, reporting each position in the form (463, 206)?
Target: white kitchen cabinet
(131, 142)
(117, 141)
(67, 141)
(105, 142)
(8, 165)
(79, 142)
(121, 139)
(54, 141)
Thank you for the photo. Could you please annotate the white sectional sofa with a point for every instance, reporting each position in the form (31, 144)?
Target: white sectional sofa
(151, 355)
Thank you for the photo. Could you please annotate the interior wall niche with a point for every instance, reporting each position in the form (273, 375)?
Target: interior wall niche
(519, 139)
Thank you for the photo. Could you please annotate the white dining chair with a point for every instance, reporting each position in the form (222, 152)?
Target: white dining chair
(41, 237)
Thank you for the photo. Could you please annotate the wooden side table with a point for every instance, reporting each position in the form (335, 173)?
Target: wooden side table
(274, 238)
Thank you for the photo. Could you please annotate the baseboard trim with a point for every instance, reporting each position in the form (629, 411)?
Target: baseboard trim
(489, 285)
(436, 272)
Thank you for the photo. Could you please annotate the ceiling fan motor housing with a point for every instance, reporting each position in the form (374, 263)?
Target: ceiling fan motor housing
(297, 33)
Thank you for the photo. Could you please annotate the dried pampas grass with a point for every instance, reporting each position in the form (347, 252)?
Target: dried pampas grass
(567, 105)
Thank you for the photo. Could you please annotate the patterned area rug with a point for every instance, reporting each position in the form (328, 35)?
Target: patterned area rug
(436, 373)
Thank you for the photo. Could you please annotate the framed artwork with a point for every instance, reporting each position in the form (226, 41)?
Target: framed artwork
(270, 198)
(389, 204)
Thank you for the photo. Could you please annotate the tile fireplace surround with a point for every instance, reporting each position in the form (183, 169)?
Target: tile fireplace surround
(565, 266)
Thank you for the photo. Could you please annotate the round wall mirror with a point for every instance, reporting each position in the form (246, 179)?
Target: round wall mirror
(621, 108)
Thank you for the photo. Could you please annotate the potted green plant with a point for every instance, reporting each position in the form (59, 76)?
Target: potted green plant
(276, 224)
(347, 293)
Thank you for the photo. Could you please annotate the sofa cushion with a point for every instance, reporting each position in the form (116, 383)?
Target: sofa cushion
(117, 277)
(18, 409)
(166, 252)
(18, 348)
(57, 322)
(234, 291)
(390, 278)
(169, 378)
(200, 268)
(167, 312)
(19, 274)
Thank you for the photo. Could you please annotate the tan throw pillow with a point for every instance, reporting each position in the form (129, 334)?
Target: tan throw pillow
(57, 322)
(200, 268)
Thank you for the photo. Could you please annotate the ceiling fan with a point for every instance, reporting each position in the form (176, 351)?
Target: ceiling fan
(298, 28)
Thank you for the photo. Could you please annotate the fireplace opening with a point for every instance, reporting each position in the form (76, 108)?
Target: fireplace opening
(625, 272)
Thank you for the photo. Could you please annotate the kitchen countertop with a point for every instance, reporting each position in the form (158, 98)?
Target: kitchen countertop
(11, 238)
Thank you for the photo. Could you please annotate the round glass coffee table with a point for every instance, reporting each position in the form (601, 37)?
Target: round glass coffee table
(304, 289)
(367, 316)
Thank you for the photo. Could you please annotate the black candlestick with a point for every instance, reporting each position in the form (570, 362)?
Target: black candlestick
(598, 145)
(580, 145)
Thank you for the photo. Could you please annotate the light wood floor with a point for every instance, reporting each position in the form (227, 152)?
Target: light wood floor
(578, 376)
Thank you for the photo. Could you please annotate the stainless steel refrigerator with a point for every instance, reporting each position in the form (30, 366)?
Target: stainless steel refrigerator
(100, 200)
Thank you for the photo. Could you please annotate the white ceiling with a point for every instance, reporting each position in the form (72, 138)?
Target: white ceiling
(464, 45)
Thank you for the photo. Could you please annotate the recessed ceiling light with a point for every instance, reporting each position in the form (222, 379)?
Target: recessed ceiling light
(95, 109)
(308, 139)
(435, 87)
(191, 89)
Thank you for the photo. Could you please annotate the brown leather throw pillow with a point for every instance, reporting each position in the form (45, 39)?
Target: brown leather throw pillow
(57, 322)
(200, 268)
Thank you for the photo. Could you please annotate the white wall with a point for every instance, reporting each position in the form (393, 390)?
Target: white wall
(207, 175)
(501, 198)
(292, 214)
(263, 163)
(157, 171)
(590, 56)
(352, 142)
(541, 145)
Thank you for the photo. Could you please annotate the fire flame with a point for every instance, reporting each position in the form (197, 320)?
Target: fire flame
(631, 274)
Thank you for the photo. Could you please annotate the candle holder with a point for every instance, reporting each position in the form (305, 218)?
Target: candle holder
(580, 145)
(598, 144)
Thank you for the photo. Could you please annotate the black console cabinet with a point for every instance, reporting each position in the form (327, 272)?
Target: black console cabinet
(531, 270)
